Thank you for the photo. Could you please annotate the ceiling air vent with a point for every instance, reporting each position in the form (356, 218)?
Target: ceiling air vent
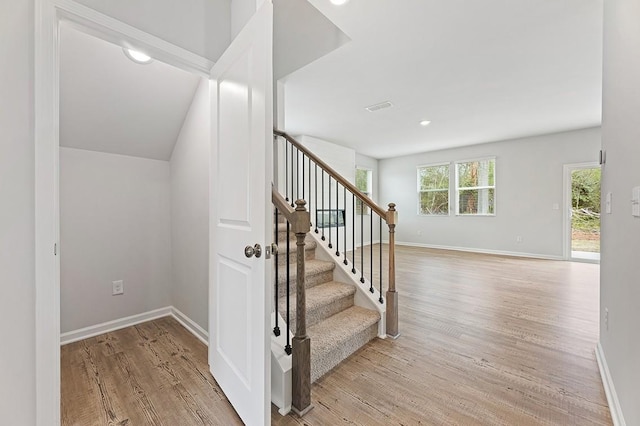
(377, 107)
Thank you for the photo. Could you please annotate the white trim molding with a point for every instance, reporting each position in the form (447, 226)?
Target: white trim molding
(109, 326)
(117, 32)
(609, 388)
(190, 325)
(482, 251)
(120, 323)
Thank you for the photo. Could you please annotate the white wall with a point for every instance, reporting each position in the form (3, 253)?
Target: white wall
(17, 207)
(241, 12)
(620, 269)
(190, 211)
(200, 26)
(114, 225)
(366, 162)
(529, 175)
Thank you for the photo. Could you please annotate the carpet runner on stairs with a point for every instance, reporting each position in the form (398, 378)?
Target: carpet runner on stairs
(336, 326)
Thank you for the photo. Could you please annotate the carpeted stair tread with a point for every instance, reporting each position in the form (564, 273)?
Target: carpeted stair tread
(282, 234)
(316, 271)
(337, 337)
(323, 301)
(309, 251)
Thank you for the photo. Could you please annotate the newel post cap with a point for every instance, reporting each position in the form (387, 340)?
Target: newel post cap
(392, 215)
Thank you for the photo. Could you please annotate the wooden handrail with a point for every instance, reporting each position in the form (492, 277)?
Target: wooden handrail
(300, 224)
(390, 216)
(335, 175)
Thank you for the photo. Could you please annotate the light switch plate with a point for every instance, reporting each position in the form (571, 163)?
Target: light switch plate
(635, 201)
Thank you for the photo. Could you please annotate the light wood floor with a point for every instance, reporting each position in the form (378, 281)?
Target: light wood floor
(153, 373)
(486, 340)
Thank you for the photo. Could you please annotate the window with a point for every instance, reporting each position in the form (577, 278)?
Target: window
(364, 182)
(433, 189)
(476, 187)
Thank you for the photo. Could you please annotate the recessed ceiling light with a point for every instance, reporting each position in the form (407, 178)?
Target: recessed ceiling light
(425, 123)
(339, 2)
(137, 56)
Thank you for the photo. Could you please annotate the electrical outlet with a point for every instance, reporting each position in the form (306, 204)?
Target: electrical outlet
(519, 239)
(118, 287)
(606, 319)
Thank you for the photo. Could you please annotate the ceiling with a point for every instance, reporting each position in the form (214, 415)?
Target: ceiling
(109, 103)
(480, 71)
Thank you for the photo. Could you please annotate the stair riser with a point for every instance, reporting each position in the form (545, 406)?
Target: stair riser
(282, 237)
(309, 254)
(320, 365)
(314, 316)
(312, 280)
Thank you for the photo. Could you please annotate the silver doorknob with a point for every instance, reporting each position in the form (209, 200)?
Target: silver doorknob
(256, 251)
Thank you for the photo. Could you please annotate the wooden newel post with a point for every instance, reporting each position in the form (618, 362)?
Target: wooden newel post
(392, 294)
(301, 345)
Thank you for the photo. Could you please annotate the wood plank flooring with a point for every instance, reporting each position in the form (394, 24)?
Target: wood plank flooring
(486, 340)
(154, 373)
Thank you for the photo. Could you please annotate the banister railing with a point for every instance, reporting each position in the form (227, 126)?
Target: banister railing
(331, 172)
(297, 221)
(306, 176)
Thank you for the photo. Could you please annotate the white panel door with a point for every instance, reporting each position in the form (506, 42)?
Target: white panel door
(241, 170)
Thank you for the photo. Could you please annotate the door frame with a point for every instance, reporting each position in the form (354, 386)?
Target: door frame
(49, 16)
(566, 205)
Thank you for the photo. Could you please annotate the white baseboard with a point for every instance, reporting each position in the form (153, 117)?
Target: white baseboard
(190, 325)
(483, 251)
(609, 388)
(368, 243)
(109, 326)
(106, 327)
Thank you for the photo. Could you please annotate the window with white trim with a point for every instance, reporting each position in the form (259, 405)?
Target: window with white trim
(433, 189)
(476, 187)
(364, 182)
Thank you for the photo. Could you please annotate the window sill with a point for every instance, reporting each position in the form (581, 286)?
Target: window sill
(475, 215)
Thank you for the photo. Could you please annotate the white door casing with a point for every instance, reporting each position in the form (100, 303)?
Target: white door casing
(240, 185)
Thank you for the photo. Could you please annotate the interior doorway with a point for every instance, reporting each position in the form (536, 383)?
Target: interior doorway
(56, 18)
(133, 190)
(583, 212)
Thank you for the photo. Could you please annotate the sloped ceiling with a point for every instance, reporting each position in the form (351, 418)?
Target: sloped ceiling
(301, 34)
(109, 103)
(480, 71)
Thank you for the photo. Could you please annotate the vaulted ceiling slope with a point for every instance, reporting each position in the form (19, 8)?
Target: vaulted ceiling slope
(109, 103)
(480, 71)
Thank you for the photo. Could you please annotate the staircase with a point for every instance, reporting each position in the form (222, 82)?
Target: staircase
(326, 305)
(336, 326)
